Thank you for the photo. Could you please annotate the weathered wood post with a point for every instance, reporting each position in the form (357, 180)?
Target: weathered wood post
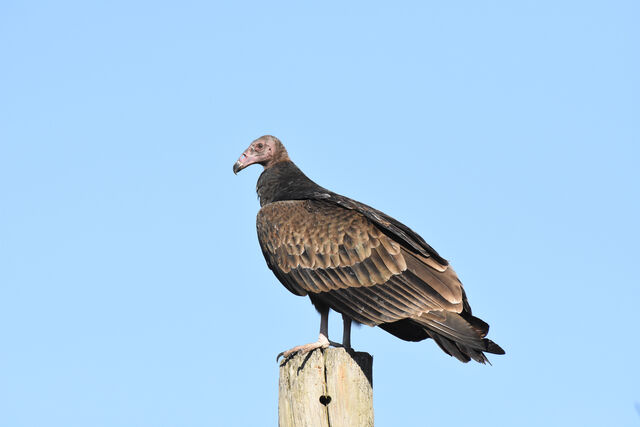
(330, 388)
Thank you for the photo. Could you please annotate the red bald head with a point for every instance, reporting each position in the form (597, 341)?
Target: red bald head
(266, 151)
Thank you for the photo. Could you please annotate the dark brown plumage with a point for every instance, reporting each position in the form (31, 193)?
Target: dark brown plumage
(358, 261)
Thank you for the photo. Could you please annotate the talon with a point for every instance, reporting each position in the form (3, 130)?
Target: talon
(323, 342)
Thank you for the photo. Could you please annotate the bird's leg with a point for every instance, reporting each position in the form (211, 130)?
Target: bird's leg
(323, 338)
(346, 332)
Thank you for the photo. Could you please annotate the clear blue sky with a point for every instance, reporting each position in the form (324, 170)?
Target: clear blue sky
(132, 288)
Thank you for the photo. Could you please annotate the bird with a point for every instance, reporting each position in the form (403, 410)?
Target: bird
(356, 260)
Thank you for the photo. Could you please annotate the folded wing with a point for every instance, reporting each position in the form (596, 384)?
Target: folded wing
(355, 261)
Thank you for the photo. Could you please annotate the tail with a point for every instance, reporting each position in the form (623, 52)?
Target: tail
(459, 335)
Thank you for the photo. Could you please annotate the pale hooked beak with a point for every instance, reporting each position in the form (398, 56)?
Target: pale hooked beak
(246, 159)
(239, 165)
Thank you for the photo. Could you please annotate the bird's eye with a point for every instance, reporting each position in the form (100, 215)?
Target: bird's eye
(260, 146)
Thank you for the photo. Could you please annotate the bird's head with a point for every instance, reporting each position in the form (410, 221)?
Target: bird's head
(266, 151)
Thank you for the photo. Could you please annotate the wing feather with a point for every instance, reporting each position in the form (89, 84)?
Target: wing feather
(341, 257)
(372, 269)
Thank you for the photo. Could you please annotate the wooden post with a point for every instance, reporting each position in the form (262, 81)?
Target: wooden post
(330, 388)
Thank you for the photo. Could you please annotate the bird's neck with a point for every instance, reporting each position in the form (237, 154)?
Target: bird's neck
(284, 181)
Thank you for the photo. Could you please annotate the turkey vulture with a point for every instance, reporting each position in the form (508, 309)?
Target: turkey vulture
(358, 261)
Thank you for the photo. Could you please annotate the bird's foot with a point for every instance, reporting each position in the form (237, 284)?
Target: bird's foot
(323, 342)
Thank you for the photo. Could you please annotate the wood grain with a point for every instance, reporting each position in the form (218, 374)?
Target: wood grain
(330, 388)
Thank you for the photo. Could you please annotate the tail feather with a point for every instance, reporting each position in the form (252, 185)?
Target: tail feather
(458, 336)
(493, 347)
(449, 347)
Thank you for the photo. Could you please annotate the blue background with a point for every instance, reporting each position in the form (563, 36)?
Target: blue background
(132, 288)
